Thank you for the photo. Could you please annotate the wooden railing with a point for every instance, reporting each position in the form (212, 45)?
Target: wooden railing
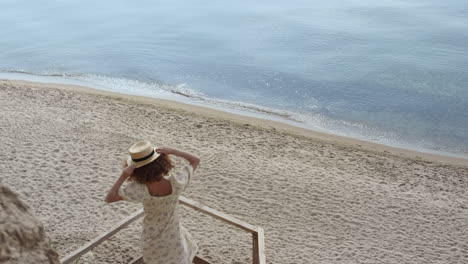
(258, 239)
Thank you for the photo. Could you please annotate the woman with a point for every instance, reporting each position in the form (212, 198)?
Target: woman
(163, 239)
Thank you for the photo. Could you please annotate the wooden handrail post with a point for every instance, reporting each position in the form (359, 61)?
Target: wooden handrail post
(255, 259)
(261, 246)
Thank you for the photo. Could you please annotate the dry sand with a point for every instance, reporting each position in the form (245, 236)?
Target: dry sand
(320, 198)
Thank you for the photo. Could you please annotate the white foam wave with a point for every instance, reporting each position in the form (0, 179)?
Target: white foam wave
(158, 89)
(183, 93)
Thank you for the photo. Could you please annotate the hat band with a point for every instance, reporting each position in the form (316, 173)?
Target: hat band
(146, 157)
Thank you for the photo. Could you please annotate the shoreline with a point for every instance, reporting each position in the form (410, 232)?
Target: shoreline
(256, 121)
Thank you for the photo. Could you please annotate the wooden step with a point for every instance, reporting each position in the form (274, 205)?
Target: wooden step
(196, 260)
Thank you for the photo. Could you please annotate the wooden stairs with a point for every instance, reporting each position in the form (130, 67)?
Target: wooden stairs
(196, 260)
(258, 240)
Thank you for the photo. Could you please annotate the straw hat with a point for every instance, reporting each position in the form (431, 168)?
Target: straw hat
(141, 153)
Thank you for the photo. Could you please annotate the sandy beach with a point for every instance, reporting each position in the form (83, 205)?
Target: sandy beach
(320, 198)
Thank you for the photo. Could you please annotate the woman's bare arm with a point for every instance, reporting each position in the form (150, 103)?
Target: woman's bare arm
(192, 159)
(113, 194)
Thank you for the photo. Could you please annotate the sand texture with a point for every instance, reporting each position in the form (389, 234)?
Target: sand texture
(320, 199)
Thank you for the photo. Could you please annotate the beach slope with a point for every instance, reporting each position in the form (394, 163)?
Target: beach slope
(320, 198)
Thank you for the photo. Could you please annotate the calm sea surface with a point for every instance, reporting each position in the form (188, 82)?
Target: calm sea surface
(393, 72)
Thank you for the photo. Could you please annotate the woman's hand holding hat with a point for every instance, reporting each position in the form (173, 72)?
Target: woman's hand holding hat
(128, 170)
(165, 150)
(113, 194)
(192, 159)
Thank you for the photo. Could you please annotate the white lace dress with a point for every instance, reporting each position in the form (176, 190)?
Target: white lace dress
(164, 240)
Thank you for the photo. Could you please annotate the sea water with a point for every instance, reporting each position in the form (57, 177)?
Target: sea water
(392, 72)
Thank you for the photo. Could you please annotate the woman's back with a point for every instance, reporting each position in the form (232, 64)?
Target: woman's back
(160, 188)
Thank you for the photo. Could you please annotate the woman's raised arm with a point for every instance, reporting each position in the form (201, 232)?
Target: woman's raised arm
(192, 159)
(113, 193)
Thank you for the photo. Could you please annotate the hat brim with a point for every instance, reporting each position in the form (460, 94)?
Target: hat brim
(144, 162)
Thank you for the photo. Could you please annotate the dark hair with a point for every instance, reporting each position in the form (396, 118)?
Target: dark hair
(153, 171)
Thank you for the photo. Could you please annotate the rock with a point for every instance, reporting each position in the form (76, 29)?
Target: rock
(22, 237)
